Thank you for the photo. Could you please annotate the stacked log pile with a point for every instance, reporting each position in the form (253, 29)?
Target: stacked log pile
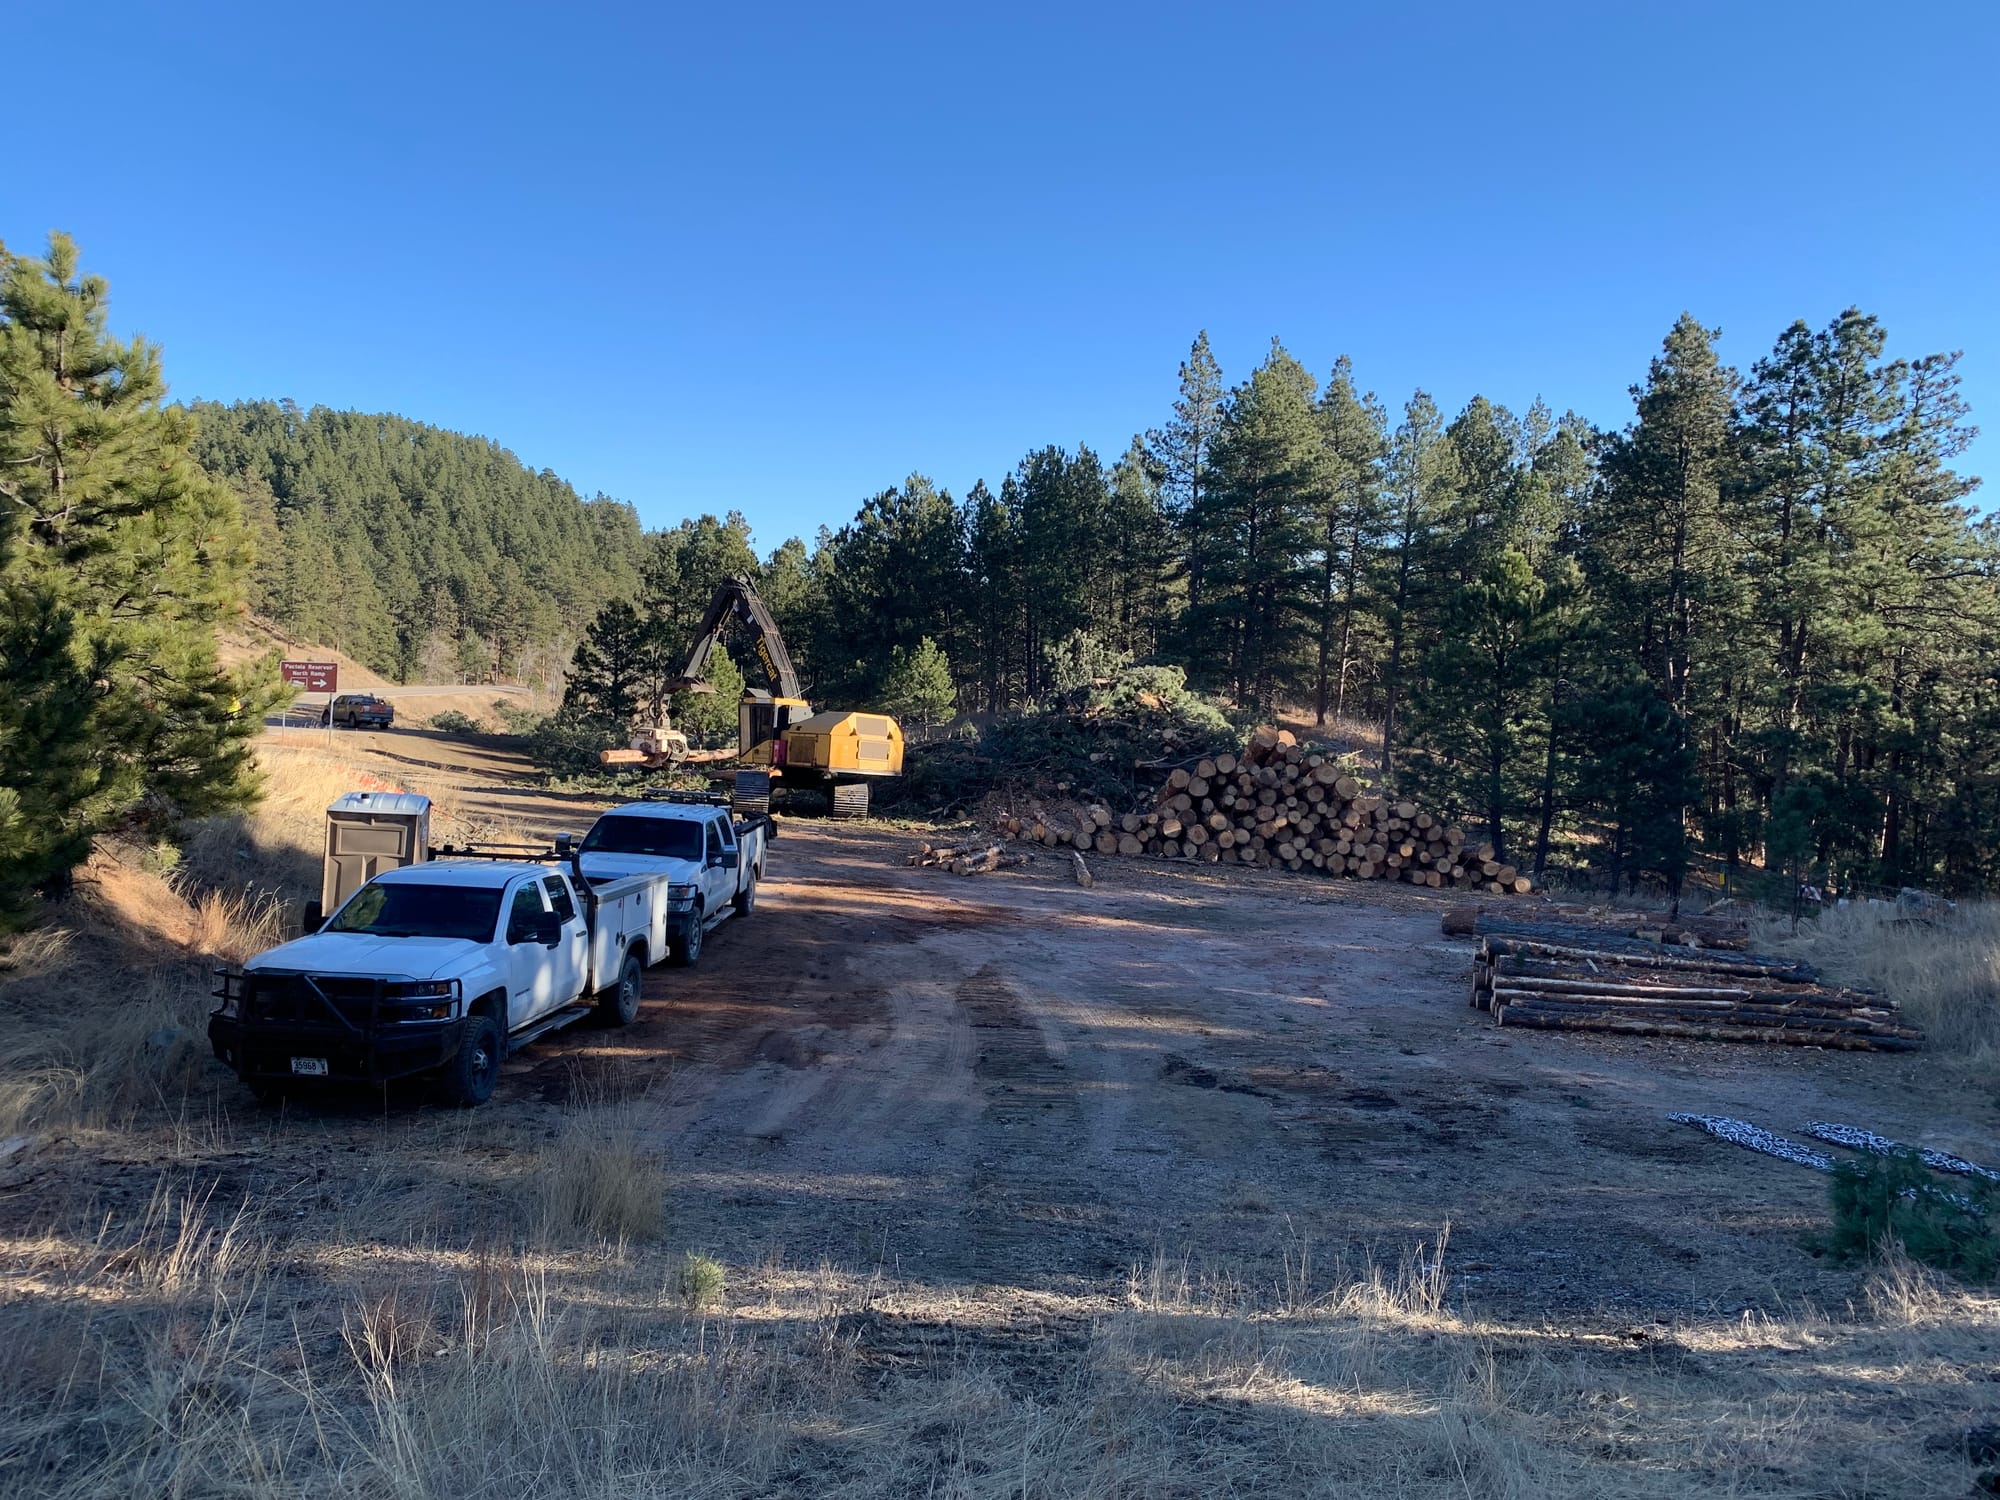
(1709, 930)
(1607, 983)
(1280, 806)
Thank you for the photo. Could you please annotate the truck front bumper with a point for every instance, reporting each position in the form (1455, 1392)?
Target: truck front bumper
(295, 1026)
(266, 1053)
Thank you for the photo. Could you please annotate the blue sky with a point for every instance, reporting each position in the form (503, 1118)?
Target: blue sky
(777, 257)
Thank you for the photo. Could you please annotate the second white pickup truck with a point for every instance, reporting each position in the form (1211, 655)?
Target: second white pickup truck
(445, 967)
(713, 860)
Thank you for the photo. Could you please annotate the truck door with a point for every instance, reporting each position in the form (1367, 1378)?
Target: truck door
(531, 965)
(718, 880)
(732, 877)
(572, 954)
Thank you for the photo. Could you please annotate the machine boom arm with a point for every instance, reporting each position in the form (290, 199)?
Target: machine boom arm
(737, 596)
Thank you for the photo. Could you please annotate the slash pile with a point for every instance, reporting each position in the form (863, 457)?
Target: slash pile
(1278, 805)
(1623, 985)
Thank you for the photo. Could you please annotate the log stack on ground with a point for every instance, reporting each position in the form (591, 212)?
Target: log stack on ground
(1721, 930)
(1607, 983)
(1280, 806)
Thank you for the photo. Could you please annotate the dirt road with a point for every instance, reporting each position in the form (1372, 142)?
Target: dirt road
(1013, 1081)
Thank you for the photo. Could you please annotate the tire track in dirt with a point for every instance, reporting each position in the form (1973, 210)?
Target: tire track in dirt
(1033, 1209)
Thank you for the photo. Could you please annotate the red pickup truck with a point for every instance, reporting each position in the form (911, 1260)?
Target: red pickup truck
(359, 711)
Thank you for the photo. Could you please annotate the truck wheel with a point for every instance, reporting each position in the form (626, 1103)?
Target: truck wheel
(848, 801)
(688, 950)
(745, 900)
(619, 1005)
(470, 1076)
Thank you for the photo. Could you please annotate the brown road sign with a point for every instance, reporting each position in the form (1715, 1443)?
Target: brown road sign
(313, 676)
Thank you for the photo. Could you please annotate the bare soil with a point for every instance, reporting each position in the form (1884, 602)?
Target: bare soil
(1009, 1080)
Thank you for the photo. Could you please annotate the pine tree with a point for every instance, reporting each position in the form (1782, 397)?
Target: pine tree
(919, 686)
(1814, 410)
(1137, 551)
(712, 713)
(1487, 443)
(118, 557)
(688, 562)
(1266, 492)
(1059, 503)
(794, 593)
(1929, 577)
(1570, 643)
(1180, 454)
(1639, 778)
(1482, 695)
(1659, 539)
(992, 564)
(1422, 479)
(621, 659)
(1355, 432)
(893, 575)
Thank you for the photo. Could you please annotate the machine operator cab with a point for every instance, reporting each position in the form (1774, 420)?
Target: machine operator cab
(761, 722)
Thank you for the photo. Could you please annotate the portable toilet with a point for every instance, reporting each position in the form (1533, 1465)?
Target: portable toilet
(367, 833)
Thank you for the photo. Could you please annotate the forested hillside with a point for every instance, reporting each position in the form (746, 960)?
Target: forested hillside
(1758, 620)
(422, 552)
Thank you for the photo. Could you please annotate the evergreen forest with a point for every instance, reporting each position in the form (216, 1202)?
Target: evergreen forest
(1754, 620)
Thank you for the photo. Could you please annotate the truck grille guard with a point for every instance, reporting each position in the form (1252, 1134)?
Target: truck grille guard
(355, 1005)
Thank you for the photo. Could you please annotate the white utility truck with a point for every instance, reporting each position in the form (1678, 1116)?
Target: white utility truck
(445, 965)
(713, 860)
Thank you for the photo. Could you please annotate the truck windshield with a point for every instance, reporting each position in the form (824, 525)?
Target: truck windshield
(665, 838)
(398, 910)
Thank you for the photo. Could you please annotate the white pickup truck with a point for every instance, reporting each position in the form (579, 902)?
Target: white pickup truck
(713, 860)
(445, 967)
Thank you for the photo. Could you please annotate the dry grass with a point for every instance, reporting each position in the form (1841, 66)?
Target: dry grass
(271, 853)
(177, 1359)
(1943, 971)
(603, 1178)
(103, 1010)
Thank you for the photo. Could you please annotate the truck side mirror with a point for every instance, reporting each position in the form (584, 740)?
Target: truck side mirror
(730, 858)
(311, 919)
(548, 929)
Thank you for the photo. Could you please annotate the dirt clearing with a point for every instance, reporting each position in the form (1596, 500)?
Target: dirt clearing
(1185, 1184)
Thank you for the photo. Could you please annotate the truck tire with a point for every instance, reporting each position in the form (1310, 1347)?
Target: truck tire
(745, 900)
(469, 1077)
(848, 801)
(687, 952)
(619, 1005)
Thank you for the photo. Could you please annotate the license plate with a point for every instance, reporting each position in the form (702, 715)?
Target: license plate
(309, 1067)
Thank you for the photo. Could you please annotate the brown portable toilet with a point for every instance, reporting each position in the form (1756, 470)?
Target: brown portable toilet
(367, 833)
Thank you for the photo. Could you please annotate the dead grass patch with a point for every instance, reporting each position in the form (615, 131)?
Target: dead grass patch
(174, 1359)
(1943, 970)
(603, 1177)
(103, 1010)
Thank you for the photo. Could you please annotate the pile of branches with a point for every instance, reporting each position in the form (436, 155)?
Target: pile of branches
(1091, 754)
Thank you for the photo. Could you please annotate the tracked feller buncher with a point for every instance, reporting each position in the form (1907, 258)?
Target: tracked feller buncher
(782, 746)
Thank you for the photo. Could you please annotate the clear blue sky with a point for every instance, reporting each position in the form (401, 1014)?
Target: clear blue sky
(776, 257)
